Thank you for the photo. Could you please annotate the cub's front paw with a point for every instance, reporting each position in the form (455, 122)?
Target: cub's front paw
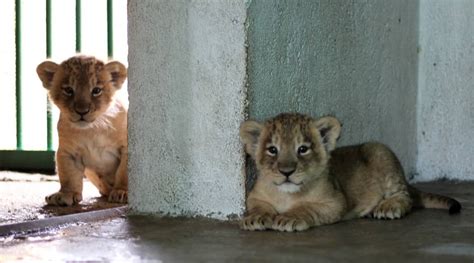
(63, 199)
(289, 223)
(118, 196)
(254, 222)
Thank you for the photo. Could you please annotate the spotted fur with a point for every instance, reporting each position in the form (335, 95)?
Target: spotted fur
(304, 181)
(92, 127)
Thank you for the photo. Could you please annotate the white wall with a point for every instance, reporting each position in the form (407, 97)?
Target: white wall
(446, 90)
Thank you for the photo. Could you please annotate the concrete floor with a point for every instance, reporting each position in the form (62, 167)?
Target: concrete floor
(22, 198)
(424, 235)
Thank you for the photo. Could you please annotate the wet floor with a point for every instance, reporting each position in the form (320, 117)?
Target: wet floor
(424, 235)
(22, 198)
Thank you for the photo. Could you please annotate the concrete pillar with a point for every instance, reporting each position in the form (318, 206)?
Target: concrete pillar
(187, 98)
(446, 91)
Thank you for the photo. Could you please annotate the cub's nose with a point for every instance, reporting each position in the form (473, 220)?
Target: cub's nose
(82, 110)
(287, 171)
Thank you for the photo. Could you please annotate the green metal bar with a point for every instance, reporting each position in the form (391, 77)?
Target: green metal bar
(19, 131)
(110, 29)
(78, 26)
(48, 28)
(49, 125)
(49, 115)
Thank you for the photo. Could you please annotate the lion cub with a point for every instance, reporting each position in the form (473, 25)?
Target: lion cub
(92, 127)
(303, 181)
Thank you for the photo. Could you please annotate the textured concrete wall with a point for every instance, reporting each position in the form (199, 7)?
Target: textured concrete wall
(446, 91)
(356, 60)
(187, 83)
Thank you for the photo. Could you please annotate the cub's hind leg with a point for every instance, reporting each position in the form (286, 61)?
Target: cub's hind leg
(388, 172)
(394, 206)
(396, 201)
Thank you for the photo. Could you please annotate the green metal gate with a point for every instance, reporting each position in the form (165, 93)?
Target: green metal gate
(43, 160)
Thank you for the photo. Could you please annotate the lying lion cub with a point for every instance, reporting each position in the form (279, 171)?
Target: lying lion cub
(304, 182)
(92, 127)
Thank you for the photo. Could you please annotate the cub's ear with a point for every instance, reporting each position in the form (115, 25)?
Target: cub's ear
(46, 71)
(329, 128)
(118, 73)
(249, 133)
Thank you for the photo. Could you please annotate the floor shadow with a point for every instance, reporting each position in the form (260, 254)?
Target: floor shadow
(92, 204)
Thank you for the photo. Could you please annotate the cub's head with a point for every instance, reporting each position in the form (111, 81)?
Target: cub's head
(82, 87)
(290, 149)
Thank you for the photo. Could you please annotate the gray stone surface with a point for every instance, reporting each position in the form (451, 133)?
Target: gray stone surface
(187, 82)
(423, 236)
(356, 60)
(446, 90)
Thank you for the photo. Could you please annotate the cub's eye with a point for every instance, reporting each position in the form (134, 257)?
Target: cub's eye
(272, 151)
(68, 91)
(96, 91)
(303, 149)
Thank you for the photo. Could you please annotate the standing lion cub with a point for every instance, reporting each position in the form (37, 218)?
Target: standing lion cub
(303, 181)
(92, 127)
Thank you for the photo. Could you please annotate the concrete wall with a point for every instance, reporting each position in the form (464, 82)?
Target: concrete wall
(446, 91)
(356, 60)
(186, 83)
(197, 68)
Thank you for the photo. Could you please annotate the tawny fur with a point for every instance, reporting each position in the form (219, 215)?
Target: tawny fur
(303, 181)
(92, 127)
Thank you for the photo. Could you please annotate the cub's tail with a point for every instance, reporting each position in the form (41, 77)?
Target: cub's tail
(430, 200)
